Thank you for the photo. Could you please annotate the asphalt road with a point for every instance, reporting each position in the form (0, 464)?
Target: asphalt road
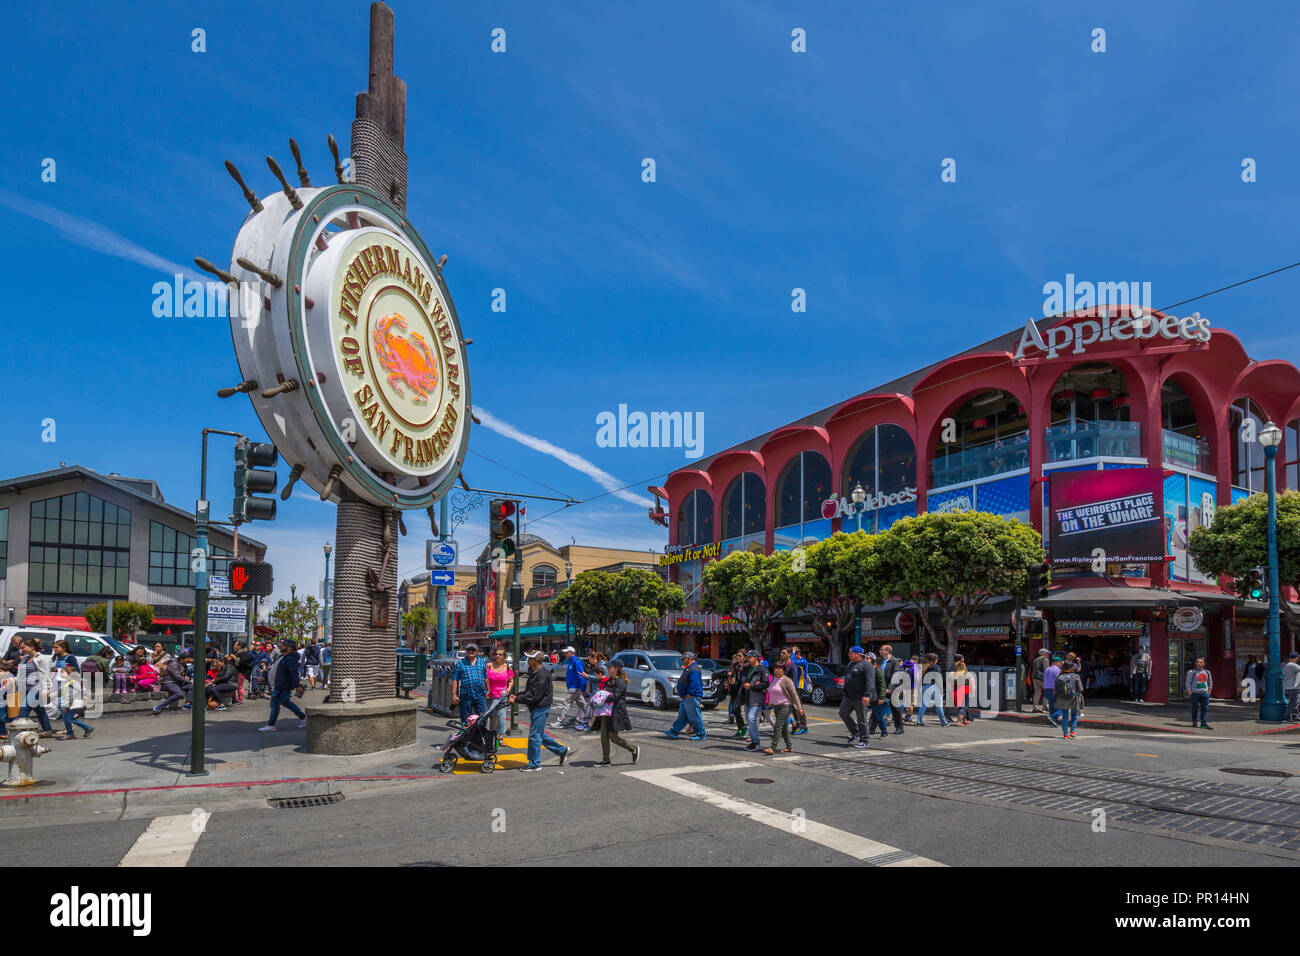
(993, 794)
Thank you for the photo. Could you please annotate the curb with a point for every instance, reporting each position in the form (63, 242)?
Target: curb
(125, 799)
(1096, 724)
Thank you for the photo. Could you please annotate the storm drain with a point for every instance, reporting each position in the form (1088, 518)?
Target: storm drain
(299, 803)
(1254, 772)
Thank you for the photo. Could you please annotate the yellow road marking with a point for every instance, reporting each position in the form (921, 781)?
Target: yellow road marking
(1144, 755)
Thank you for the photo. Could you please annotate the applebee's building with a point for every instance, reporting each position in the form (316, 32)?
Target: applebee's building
(1170, 399)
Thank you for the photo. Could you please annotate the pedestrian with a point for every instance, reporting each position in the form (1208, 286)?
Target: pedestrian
(755, 684)
(326, 659)
(961, 690)
(932, 691)
(311, 659)
(1069, 698)
(175, 684)
(537, 697)
(72, 702)
(261, 669)
(36, 683)
(736, 691)
(1139, 673)
(469, 684)
(912, 667)
(1050, 674)
(14, 654)
(9, 695)
(1291, 685)
(799, 676)
(575, 683)
(243, 669)
(1041, 662)
(783, 698)
(285, 679)
(690, 689)
(1199, 683)
(859, 684)
(498, 686)
(595, 672)
(891, 672)
(878, 709)
(616, 719)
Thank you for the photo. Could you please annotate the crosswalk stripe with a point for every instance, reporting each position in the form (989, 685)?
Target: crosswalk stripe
(167, 841)
(850, 844)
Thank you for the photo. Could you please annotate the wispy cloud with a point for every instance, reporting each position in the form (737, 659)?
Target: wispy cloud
(576, 462)
(91, 235)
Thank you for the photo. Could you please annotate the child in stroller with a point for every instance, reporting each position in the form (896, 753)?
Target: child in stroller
(473, 740)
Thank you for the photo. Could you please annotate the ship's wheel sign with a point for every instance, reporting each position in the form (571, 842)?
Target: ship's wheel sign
(360, 345)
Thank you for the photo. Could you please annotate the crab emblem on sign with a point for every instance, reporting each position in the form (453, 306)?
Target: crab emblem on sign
(407, 358)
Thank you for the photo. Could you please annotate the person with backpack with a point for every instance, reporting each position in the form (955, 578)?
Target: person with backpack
(1199, 683)
(755, 684)
(1069, 698)
(690, 689)
(311, 661)
(1036, 670)
(859, 691)
(798, 673)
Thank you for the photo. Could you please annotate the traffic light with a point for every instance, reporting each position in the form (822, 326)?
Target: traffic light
(250, 579)
(1039, 581)
(250, 481)
(502, 530)
(1256, 589)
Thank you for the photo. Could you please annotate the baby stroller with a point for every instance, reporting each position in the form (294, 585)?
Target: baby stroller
(473, 740)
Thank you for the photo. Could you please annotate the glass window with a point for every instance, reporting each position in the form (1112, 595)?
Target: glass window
(744, 510)
(802, 489)
(88, 526)
(883, 462)
(1291, 446)
(1245, 422)
(695, 519)
(543, 576)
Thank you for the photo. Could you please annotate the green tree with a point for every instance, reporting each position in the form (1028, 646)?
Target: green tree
(828, 579)
(750, 586)
(601, 600)
(645, 597)
(419, 623)
(128, 617)
(295, 619)
(1236, 542)
(952, 563)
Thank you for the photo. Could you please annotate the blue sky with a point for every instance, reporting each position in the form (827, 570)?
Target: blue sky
(775, 170)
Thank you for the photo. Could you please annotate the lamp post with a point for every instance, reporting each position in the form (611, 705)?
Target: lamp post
(1273, 706)
(859, 496)
(568, 582)
(328, 548)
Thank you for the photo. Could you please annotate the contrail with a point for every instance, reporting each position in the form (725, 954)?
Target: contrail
(93, 236)
(576, 462)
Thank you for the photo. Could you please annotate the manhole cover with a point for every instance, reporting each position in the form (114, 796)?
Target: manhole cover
(298, 803)
(1255, 772)
(1068, 757)
(757, 780)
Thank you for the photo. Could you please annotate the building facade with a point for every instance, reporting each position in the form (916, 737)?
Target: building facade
(987, 429)
(71, 538)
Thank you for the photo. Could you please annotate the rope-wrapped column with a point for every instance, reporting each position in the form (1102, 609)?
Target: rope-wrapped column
(364, 657)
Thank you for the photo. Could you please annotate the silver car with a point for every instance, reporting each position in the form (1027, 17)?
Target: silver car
(652, 677)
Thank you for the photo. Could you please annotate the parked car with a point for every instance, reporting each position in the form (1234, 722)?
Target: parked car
(652, 677)
(825, 684)
(717, 669)
(83, 643)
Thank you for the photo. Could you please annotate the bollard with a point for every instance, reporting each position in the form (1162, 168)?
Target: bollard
(20, 752)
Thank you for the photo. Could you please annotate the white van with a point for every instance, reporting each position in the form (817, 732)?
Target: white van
(83, 643)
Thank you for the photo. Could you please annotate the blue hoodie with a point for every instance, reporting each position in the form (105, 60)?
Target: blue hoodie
(575, 678)
(689, 684)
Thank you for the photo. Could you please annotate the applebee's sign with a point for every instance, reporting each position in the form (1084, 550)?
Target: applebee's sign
(840, 507)
(1077, 336)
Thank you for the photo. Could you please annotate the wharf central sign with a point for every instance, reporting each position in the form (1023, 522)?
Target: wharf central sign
(1078, 335)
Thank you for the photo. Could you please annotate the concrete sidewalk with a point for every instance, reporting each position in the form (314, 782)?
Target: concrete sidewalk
(1229, 718)
(133, 760)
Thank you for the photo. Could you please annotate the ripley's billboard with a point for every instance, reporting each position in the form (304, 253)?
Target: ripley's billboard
(1113, 516)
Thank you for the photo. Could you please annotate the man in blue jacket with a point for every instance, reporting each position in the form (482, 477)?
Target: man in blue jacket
(285, 678)
(690, 688)
(575, 683)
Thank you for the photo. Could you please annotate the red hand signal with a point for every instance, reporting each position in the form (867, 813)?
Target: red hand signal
(238, 578)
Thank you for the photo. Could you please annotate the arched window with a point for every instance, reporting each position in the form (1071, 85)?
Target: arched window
(803, 487)
(544, 576)
(1291, 446)
(988, 435)
(1090, 416)
(744, 510)
(1183, 442)
(1245, 422)
(883, 462)
(695, 518)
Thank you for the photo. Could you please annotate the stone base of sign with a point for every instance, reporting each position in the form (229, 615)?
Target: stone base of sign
(360, 728)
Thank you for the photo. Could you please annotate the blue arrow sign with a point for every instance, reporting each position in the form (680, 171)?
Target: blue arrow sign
(442, 578)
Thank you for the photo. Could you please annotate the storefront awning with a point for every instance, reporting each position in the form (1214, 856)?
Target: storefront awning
(1212, 597)
(172, 622)
(64, 621)
(1114, 596)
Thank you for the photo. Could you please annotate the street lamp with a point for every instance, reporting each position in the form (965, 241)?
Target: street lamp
(858, 496)
(1272, 707)
(568, 581)
(328, 548)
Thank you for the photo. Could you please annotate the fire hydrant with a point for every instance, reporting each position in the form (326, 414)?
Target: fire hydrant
(23, 748)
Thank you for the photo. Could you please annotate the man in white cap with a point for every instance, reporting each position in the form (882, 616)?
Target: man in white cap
(690, 688)
(575, 685)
